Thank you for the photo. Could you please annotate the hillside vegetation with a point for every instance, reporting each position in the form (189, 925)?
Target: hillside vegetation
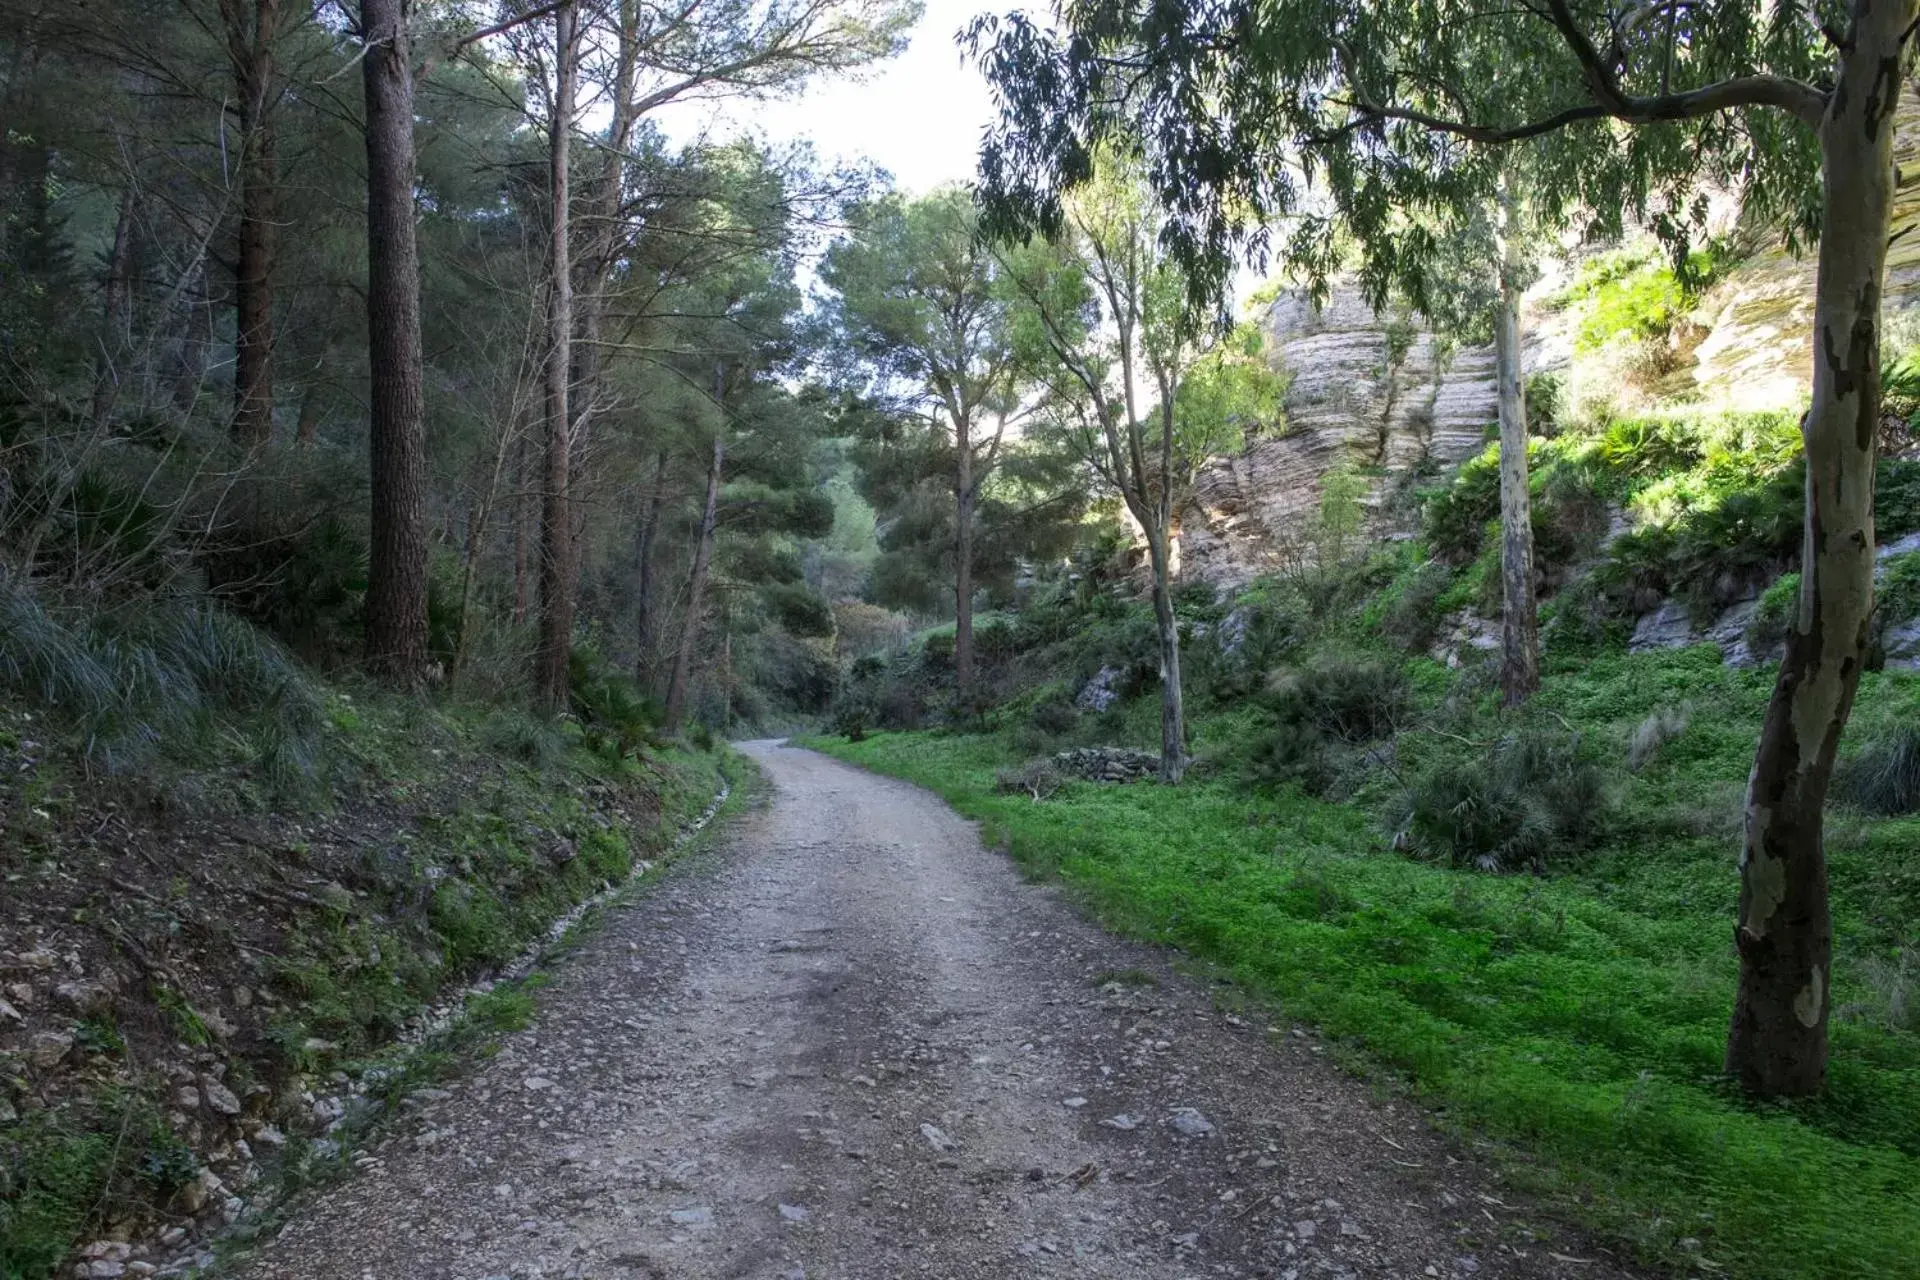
(1523, 915)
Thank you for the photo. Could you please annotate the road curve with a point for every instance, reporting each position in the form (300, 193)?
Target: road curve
(852, 1044)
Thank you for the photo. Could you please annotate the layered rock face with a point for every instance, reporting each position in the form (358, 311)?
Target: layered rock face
(1366, 390)
(1757, 354)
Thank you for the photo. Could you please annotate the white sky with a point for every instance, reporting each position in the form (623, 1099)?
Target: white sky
(918, 116)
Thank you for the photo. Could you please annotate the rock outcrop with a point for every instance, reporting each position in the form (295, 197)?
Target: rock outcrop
(1385, 394)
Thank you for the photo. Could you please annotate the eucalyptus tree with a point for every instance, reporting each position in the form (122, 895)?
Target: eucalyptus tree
(1107, 307)
(918, 294)
(1627, 110)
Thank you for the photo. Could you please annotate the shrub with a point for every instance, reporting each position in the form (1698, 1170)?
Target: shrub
(1351, 700)
(163, 678)
(1412, 614)
(619, 716)
(1546, 398)
(519, 736)
(1530, 797)
(1054, 715)
(1662, 725)
(1773, 613)
(1896, 498)
(1455, 520)
(1884, 775)
(1292, 751)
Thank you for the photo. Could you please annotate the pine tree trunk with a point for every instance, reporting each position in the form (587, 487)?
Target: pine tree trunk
(250, 45)
(964, 500)
(696, 590)
(1777, 1044)
(1519, 628)
(397, 554)
(522, 537)
(556, 522)
(643, 642)
(1173, 714)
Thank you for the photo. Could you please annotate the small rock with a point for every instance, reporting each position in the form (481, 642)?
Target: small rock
(219, 1097)
(1191, 1123)
(1306, 1228)
(1122, 1121)
(937, 1137)
(1075, 1103)
(537, 1084)
(187, 1098)
(10, 1014)
(1351, 1229)
(793, 1213)
(82, 999)
(699, 1216)
(21, 993)
(47, 1048)
(504, 1191)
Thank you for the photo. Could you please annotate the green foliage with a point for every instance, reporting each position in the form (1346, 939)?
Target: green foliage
(1631, 294)
(1580, 1013)
(1527, 798)
(1454, 520)
(179, 678)
(1883, 775)
(619, 716)
(69, 1167)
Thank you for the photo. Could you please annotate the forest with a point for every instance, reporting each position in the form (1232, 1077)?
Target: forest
(1414, 505)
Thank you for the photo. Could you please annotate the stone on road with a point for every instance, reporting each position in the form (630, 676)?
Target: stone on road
(837, 1047)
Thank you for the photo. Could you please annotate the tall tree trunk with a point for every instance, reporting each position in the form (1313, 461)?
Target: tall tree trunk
(306, 427)
(964, 500)
(109, 367)
(1173, 712)
(522, 536)
(696, 589)
(1777, 1044)
(643, 641)
(250, 39)
(1519, 627)
(602, 231)
(556, 524)
(397, 554)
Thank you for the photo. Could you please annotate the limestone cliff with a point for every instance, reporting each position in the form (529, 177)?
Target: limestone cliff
(1387, 394)
(1383, 394)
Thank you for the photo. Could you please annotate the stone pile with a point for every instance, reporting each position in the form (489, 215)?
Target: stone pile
(1109, 764)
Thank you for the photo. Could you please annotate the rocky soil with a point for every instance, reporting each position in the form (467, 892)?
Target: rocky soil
(852, 1043)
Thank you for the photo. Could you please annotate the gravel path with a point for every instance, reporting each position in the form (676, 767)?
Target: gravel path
(853, 1044)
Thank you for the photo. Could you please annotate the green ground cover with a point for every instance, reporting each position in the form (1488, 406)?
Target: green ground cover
(1577, 1015)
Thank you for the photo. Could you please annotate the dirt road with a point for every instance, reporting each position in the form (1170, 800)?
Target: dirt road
(854, 1045)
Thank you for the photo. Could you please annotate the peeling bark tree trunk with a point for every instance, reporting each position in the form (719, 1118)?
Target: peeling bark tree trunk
(1777, 1044)
(397, 559)
(250, 50)
(964, 501)
(1519, 627)
(556, 524)
(1173, 713)
(696, 590)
